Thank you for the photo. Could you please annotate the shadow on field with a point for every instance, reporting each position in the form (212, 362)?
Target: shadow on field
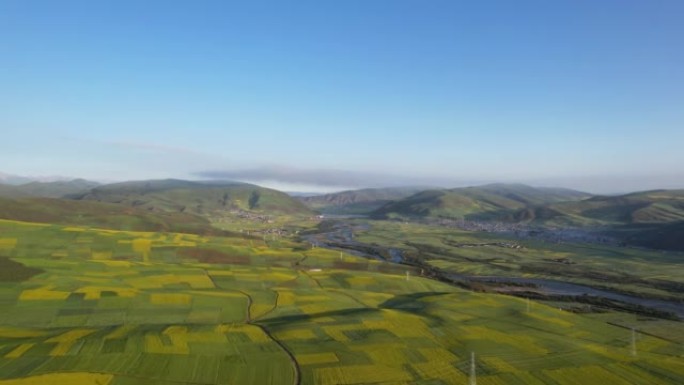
(276, 322)
(409, 303)
(12, 271)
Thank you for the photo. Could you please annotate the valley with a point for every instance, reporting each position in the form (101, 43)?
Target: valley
(168, 282)
(387, 192)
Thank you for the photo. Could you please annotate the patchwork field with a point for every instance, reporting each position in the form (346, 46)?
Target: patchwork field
(92, 306)
(642, 272)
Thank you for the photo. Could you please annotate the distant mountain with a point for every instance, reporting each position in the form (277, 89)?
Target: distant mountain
(57, 189)
(653, 219)
(11, 179)
(202, 198)
(362, 201)
(494, 201)
(9, 191)
(100, 215)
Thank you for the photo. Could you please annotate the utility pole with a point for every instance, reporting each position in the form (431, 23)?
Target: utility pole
(473, 374)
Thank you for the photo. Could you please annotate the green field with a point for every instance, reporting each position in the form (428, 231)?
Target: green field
(94, 306)
(636, 271)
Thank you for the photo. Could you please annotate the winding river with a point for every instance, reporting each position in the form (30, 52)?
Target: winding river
(341, 238)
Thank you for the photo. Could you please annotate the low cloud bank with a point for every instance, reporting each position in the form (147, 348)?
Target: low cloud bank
(330, 180)
(319, 180)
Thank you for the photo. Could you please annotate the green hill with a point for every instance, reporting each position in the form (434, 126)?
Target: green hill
(543, 206)
(200, 198)
(100, 215)
(653, 219)
(57, 189)
(361, 201)
(658, 206)
(495, 201)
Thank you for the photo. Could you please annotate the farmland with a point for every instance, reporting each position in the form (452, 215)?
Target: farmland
(639, 272)
(95, 306)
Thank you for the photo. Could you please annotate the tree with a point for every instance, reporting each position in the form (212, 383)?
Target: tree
(254, 200)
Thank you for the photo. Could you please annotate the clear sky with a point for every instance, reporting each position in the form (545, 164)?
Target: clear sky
(333, 94)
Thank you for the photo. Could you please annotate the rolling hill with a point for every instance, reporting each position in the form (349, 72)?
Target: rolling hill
(200, 198)
(361, 201)
(652, 219)
(494, 201)
(100, 215)
(648, 207)
(58, 189)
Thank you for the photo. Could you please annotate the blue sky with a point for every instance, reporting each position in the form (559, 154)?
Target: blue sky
(578, 93)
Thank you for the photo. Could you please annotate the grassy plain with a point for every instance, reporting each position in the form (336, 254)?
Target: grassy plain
(632, 270)
(122, 307)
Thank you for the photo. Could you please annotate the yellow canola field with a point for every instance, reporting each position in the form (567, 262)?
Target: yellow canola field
(553, 320)
(100, 255)
(317, 358)
(357, 374)
(522, 342)
(401, 324)
(437, 355)
(12, 332)
(170, 299)
(441, 369)
(296, 334)
(389, 355)
(175, 339)
(44, 294)
(253, 332)
(120, 332)
(286, 297)
(95, 292)
(19, 351)
(220, 273)
(8, 243)
(76, 378)
(74, 229)
(197, 281)
(66, 340)
(154, 344)
(359, 281)
(585, 375)
(278, 276)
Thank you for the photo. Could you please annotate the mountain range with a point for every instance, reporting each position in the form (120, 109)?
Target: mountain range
(476, 203)
(202, 198)
(541, 206)
(651, 218)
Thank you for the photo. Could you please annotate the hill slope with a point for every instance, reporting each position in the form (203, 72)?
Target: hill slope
(493, 201)
(201, 198)
(57, 189)
(100, 215)
(361, 201)
(658, 206)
